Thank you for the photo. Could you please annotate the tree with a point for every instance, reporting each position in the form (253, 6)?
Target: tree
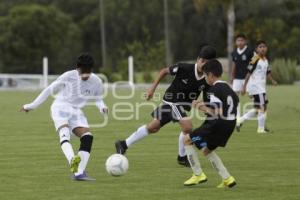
(228, 5)
(30, 32)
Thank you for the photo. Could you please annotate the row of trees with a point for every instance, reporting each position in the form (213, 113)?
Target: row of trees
(31, 29)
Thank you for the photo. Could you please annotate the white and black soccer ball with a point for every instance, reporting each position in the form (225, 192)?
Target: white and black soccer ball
(116, 165)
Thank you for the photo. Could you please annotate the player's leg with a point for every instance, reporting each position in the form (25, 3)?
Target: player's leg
(198, 174)
(216, 162)
(86, 142)
(64, 139)
(161, 116)
(248, 115)
(186, 128)
(139, 134)
(237, 87)
(261, 117)
(60, 115)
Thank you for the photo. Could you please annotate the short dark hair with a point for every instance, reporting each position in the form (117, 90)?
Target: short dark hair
(85, 63)
(214, 67)
(241, 35)
(208, 52)
(259, 42)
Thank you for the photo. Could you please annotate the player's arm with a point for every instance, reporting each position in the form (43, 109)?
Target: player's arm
(99, 100)
(163, 72)
(213, 111)
(40, 99)
(53, 87)
(270, 77)
(245, 83)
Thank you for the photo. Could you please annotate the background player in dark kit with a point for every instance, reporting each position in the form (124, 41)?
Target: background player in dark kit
(241, 57)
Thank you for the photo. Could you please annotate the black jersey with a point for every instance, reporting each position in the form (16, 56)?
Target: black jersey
(241, 62)
(186, 86)
(222, 96)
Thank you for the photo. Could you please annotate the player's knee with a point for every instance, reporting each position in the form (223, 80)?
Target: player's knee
(86, 142)
(153, 127)
(64, 135)
(187, 129)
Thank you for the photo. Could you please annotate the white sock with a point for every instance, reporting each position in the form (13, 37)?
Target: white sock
(68, 151)
(248, 115)
(84, 155)
(136, 136)
(66, 147)
(261, 118)
(181, 149)
(193, 159)
(218, 165)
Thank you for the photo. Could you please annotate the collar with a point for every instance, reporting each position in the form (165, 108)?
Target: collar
(219, 81)
(240, 51)
(196, 73)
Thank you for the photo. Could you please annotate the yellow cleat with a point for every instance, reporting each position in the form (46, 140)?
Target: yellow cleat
(194, 180)
(230, 182)
(75, 163)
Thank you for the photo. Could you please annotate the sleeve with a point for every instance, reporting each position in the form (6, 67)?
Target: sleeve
(51, 89)
(215, 101)
(252, 65)
(176, 68)
(99, 98)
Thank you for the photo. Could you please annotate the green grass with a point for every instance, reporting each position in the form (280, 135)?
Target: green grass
(33, 167)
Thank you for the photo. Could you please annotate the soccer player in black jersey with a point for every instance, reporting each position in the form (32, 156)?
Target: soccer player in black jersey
(216, 129)
(187, 85)
(241, 57)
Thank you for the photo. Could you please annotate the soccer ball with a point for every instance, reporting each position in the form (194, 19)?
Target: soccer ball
(116, 165)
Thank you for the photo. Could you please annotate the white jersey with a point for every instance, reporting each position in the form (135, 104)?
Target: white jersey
(70, 89)
(258, 68)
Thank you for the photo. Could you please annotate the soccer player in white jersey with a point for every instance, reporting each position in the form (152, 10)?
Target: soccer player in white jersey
(255, 84)
(74, 88)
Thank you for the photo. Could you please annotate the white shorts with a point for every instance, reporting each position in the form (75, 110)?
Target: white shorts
(63, 114)
(237, 85)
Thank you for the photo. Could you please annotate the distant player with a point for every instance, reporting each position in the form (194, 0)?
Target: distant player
(187, 85)
(217, 128)
(255, 84)
(74, 88)
(241, 57)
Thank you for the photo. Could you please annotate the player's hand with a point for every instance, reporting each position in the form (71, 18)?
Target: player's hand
(149, 94)
(104, 110)
(24, 110)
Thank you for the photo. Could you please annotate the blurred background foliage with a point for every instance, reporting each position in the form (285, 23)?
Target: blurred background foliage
(60, 30)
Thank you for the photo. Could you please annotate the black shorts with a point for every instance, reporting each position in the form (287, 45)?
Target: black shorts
(168, 112)
(213, 133)
(260, 100)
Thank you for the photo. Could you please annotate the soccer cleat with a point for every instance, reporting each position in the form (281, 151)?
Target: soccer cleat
(183, 161)
(121, 147)
(82, 177)
(74, 163)
(194, 180)
(230, 182)
(238, 125)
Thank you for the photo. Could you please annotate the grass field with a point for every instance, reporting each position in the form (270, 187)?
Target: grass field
(32, 166)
